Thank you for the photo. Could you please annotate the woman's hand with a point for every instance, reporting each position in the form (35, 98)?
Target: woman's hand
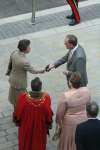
(57, 133)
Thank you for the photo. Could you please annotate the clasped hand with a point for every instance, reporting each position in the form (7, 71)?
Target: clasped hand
(49, 67)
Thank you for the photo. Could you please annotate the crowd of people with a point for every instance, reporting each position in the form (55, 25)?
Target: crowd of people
(77, 127)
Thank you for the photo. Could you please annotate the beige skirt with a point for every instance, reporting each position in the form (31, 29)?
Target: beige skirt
(13, 94)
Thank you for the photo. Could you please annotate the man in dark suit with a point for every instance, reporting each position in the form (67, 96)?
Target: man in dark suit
(87, 135)
(75, 58)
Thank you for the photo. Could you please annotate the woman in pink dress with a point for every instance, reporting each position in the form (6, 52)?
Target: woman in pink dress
(71, 111)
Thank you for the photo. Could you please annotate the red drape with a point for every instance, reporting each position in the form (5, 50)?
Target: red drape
(34, 118)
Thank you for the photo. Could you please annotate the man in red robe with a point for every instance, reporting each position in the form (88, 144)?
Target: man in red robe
(75, 17)
(33, 115)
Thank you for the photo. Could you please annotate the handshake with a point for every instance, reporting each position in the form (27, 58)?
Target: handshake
(49, 67)
(46, 69)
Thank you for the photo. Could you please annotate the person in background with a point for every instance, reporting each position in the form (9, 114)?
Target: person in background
(75, 16)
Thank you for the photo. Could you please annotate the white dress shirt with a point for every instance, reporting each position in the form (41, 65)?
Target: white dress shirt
(72, 52)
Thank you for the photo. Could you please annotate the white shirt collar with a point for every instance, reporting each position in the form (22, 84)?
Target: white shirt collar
(92, 118)
(72, 51)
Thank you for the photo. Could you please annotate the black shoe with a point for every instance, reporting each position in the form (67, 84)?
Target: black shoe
(70, 17)
(73, 22)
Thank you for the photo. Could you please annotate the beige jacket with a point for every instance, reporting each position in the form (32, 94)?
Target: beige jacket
(18, 68)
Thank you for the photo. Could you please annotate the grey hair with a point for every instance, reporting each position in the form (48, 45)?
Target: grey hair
(72, 39)
(92, 109)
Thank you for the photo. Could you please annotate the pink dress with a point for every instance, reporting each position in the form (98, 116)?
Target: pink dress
(71, 111)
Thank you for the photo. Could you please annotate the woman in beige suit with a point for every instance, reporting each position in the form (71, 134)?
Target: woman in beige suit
(17, 70)
(71, 111)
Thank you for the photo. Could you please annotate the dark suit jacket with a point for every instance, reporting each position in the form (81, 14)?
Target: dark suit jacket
(87, 135)
(76, 64)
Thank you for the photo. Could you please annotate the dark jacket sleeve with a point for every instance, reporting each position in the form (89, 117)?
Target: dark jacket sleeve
(9, 67)
(61, 61)
(10, 64)
(79, 139)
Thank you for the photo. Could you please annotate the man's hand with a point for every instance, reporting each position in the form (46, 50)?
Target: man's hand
(8, 73)
(66, 72)
(49, 67)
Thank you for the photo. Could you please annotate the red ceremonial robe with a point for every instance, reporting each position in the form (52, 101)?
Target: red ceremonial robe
(33, 118)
